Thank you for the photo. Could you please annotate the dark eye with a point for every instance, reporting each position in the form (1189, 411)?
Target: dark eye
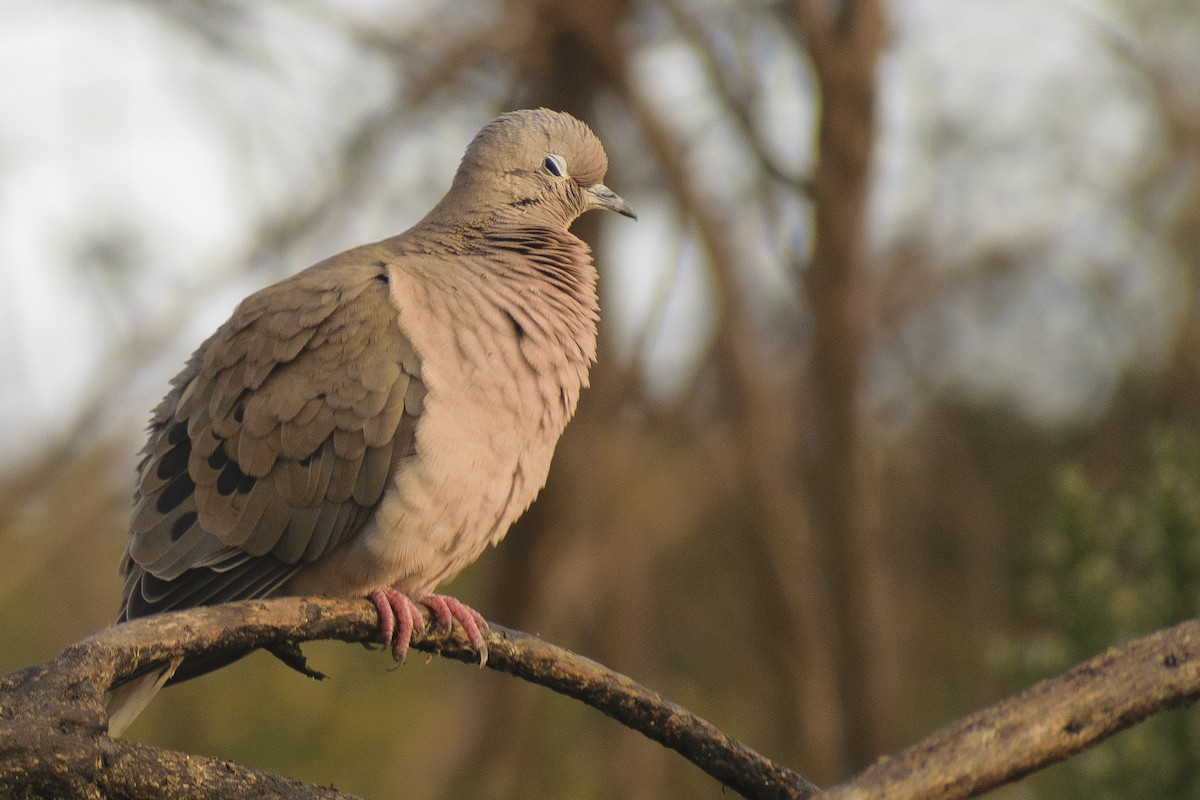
(555, 165)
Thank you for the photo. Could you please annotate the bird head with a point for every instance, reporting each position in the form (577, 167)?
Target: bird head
(538, 167)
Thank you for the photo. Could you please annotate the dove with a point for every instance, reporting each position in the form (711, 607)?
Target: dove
(369, 425)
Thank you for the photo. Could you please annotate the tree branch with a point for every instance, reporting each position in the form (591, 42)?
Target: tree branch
(56, 710)
(130, 770)
(54, 742)
(1042, 725)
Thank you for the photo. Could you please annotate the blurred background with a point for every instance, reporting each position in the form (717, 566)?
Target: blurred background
(898, 397)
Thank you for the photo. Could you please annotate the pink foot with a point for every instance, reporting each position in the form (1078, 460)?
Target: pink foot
(447, 609)
(399, 615)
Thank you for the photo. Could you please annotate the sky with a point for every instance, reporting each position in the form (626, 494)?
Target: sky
(1017, 142)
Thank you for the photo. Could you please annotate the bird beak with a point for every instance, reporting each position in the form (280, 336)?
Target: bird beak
(600, 196)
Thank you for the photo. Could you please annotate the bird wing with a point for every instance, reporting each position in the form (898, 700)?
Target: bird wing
(276, 440)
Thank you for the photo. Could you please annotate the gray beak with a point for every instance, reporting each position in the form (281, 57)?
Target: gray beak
(600, 196)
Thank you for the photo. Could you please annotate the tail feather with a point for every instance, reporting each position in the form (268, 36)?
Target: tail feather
(127, 701)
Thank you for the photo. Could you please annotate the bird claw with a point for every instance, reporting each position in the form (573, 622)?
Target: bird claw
(447, 609)
(399, 616)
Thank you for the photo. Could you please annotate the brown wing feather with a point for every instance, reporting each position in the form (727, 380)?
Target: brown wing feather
(275, 442)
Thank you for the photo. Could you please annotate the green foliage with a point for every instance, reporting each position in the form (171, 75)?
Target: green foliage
(1113, 563)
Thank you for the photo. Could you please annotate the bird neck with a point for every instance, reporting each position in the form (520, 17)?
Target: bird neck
(485, 207)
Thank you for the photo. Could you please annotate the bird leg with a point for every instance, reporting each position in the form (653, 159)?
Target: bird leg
(399, 615)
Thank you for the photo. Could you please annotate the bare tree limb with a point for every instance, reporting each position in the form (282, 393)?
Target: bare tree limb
(53, 725)
(135, 771)
(738, 100)
(1042, 725)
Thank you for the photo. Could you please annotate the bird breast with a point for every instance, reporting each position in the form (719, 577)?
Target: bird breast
(504, 354)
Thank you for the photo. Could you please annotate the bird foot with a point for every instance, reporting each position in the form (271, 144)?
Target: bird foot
(399, 615)
(447, 609)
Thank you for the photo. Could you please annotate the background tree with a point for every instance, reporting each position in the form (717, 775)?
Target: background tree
(897, 266)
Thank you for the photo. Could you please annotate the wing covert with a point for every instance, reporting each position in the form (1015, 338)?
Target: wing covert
(275, 441)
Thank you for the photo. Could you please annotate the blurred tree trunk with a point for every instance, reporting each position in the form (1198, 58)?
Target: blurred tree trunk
(843, 41)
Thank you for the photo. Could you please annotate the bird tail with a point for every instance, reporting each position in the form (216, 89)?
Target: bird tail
(125, 702)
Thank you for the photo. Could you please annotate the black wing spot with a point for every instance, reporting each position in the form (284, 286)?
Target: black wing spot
(182, 525)
(219, 458)
(239, 414)
(247, 484)
(174, 461)
(175, 493)
(229, 479)
(177, 433)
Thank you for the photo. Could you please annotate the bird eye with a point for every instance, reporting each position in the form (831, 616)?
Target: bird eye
(555, 165)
